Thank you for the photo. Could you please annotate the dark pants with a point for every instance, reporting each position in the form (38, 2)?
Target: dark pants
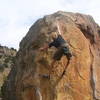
(62, 51)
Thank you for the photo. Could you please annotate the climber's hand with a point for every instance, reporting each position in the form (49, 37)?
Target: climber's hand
(41, 49)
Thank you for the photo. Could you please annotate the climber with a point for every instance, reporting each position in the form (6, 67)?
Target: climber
(63, 49)
(60, 44)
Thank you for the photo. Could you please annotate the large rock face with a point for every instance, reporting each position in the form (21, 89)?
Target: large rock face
(28, 79)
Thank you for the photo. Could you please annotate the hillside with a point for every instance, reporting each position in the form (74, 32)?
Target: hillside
(6, 62)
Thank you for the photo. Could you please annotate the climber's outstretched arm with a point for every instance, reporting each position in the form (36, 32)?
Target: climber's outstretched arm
(44, 48)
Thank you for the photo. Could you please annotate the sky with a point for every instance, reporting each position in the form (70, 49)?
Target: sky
(17, 16)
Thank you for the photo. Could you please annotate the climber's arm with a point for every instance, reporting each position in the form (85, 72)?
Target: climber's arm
(44, 48)
(51, 44)
(47, 46)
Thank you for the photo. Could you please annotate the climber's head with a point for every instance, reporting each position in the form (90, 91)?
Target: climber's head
(54, 35)
(53, 32)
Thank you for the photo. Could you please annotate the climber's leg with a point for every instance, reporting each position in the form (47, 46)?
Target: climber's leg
(67, 52)
(68, 55)
(57, 56)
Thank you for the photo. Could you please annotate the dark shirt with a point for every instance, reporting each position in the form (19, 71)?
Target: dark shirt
(57, 42)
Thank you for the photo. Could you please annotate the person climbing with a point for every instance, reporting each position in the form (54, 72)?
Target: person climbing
(60, 44)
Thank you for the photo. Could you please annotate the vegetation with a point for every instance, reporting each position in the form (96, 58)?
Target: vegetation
(7, 57)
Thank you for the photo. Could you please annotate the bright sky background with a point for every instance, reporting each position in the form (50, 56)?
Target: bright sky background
(16, 16)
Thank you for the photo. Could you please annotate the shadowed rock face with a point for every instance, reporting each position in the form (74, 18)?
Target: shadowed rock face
(29, 81)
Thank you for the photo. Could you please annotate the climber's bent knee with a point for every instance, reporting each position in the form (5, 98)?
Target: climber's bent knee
(58, 54)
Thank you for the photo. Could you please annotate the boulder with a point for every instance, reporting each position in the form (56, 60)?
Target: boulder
(33, 77)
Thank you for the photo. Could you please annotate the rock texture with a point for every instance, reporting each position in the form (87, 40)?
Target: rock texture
(28, 80)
